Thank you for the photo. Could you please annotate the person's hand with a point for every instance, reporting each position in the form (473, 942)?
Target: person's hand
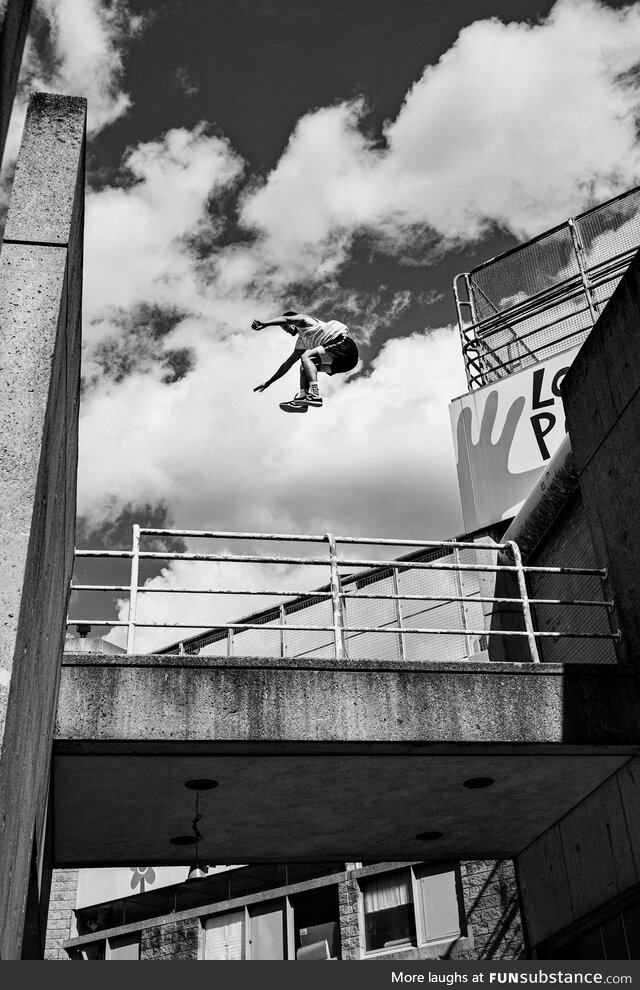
(257, 325)
(261, 388)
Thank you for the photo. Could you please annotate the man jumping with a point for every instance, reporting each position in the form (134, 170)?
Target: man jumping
(320, 347)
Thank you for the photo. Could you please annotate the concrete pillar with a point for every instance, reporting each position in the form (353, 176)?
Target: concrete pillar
(14, 22)
(601, 396)
(40, 331)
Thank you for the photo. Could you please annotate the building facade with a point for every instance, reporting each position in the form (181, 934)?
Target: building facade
(349, 911)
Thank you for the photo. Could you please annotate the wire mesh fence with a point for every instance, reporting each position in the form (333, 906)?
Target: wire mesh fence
(543, 297)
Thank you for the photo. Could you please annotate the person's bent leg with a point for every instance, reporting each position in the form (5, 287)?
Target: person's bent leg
(304, 381)
(309, 362)
(312, 362)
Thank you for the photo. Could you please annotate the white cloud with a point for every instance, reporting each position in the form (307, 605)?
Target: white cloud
(84, 57)
(159, 603)
(377, 460)
(136, 250)
(518, 125)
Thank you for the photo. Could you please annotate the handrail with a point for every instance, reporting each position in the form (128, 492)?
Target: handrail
(339, 591)
(576, 290)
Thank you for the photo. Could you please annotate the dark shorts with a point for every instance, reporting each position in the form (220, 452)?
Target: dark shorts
(344, 353)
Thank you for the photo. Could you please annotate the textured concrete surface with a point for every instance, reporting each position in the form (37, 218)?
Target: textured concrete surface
(591, 856)
(588, 858)
(40, 303)
(49, 180)
(601, 394)
(183, 699)
(322, 760)
(14, 23)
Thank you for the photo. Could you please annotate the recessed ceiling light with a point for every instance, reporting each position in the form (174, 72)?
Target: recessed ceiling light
(428, 836)
(474, 782)
(201, 784)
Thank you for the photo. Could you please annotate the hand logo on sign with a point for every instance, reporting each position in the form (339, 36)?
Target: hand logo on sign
(492, 460)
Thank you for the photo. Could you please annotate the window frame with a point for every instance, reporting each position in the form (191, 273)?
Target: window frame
(422, 939)
(289, 926)
(134, 938)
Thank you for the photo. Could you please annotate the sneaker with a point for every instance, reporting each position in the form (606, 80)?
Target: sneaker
(311, 398)
(294, 405)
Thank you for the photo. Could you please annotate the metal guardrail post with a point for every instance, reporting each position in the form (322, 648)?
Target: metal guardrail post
(524, 597)
(578, 247)
(283, 619)
(133, 587)
(463, 604)
(336, 600)
(396, 591)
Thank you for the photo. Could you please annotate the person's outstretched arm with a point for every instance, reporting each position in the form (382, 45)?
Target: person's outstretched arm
(261, 324)
(282, 370)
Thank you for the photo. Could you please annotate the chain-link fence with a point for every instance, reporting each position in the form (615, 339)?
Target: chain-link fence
(543, 297)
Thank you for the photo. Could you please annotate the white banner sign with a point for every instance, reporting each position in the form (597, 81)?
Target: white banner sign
(504, 434)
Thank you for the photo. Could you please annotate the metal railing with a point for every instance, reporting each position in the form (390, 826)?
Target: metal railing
(543, 297)
(453, 580)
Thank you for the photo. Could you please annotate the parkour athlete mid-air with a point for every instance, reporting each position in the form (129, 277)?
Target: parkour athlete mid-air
(319, 346)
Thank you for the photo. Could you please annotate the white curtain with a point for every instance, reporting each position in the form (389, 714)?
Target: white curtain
(388, 891)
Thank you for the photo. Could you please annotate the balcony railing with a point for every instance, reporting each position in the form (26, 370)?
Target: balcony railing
(544, 296)
(463, 594)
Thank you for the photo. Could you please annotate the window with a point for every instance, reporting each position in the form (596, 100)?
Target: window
(275, 929)
(117, 947)
(225, 936)
(90, 951)
(388, 911)
(411, 907)
(124, 947)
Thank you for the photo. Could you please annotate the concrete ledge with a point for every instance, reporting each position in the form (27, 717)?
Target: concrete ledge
(327, 761)
(165, 698)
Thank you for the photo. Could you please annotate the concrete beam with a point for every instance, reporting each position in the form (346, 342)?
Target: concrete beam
(14, 23)
(322, 760)
(601, 396)
(40, 330)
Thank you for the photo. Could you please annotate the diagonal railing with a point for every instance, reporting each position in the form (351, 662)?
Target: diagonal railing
(426, 559)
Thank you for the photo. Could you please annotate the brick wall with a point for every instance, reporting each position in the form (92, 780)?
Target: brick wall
(62, 901)
(349, 929)
(492, 909)
(175, 940)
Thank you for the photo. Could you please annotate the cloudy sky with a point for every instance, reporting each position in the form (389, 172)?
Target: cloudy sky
(341, 158)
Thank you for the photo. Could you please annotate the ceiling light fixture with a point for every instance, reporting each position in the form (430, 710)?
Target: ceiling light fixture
(197, 869)
(476, 782)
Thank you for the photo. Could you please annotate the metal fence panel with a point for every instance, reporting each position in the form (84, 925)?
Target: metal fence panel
(543, 297)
